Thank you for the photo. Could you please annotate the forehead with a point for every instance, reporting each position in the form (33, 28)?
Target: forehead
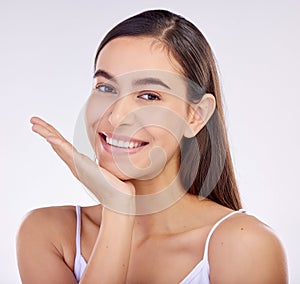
(130, 54)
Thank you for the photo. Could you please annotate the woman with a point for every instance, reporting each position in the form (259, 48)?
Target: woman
(169, 205)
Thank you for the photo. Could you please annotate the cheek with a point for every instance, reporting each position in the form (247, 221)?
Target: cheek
(167, 142)
(96, 109)
(168, 122)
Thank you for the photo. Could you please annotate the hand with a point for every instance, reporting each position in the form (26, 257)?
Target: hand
(107, 188)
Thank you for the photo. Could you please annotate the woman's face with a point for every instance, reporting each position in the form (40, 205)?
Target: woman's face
(136, 114)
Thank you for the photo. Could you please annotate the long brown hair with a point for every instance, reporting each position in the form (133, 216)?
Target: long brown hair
(210, 149)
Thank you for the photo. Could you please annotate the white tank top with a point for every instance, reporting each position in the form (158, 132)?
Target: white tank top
(199, 274)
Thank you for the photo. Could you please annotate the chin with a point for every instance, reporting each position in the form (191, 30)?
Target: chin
(129, 173)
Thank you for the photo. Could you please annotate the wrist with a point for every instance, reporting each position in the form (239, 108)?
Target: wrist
(120, 203)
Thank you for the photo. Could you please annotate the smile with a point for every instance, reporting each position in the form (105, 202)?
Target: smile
(122, 141)
(122, 144)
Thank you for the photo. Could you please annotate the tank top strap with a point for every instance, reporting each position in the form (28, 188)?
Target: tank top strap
(78, 228)
(78, 231)
(205, 256)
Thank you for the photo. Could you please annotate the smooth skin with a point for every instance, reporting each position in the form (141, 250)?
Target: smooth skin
(155, 248)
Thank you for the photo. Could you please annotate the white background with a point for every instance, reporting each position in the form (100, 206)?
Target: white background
(46, 58)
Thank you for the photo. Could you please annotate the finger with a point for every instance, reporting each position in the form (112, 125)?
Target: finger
(61, 144)
(36, 119)
(65, 151)
(41, 130)
(62, 147)
(42, 123)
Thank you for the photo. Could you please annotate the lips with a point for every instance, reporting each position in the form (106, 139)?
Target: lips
(121, 142)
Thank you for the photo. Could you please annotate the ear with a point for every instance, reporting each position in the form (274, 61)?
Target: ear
(199, 114)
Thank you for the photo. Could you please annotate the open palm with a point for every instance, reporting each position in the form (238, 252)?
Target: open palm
(107, 188)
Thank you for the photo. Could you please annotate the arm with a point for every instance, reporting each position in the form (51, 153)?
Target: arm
(110, 257)
(45, 257)
(41, 259)
(247, 251)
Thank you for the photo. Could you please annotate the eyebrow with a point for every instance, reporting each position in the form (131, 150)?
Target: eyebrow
(150, 81)
(137, 82)
(106, 75)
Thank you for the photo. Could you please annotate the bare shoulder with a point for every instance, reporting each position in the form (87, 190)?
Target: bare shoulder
(245, 250)
(49, 213)
(50, 224)
(45, 241)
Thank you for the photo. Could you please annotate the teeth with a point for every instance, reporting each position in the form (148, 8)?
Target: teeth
(122, 144)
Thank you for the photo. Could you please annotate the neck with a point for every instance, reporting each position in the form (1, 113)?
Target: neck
(158, 194)
(175, 219)
(168, 177)
(162, 202)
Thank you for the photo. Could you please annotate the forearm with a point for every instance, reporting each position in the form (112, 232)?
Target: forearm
(110, 258)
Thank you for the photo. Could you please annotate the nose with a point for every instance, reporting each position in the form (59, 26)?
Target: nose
(122, 112)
